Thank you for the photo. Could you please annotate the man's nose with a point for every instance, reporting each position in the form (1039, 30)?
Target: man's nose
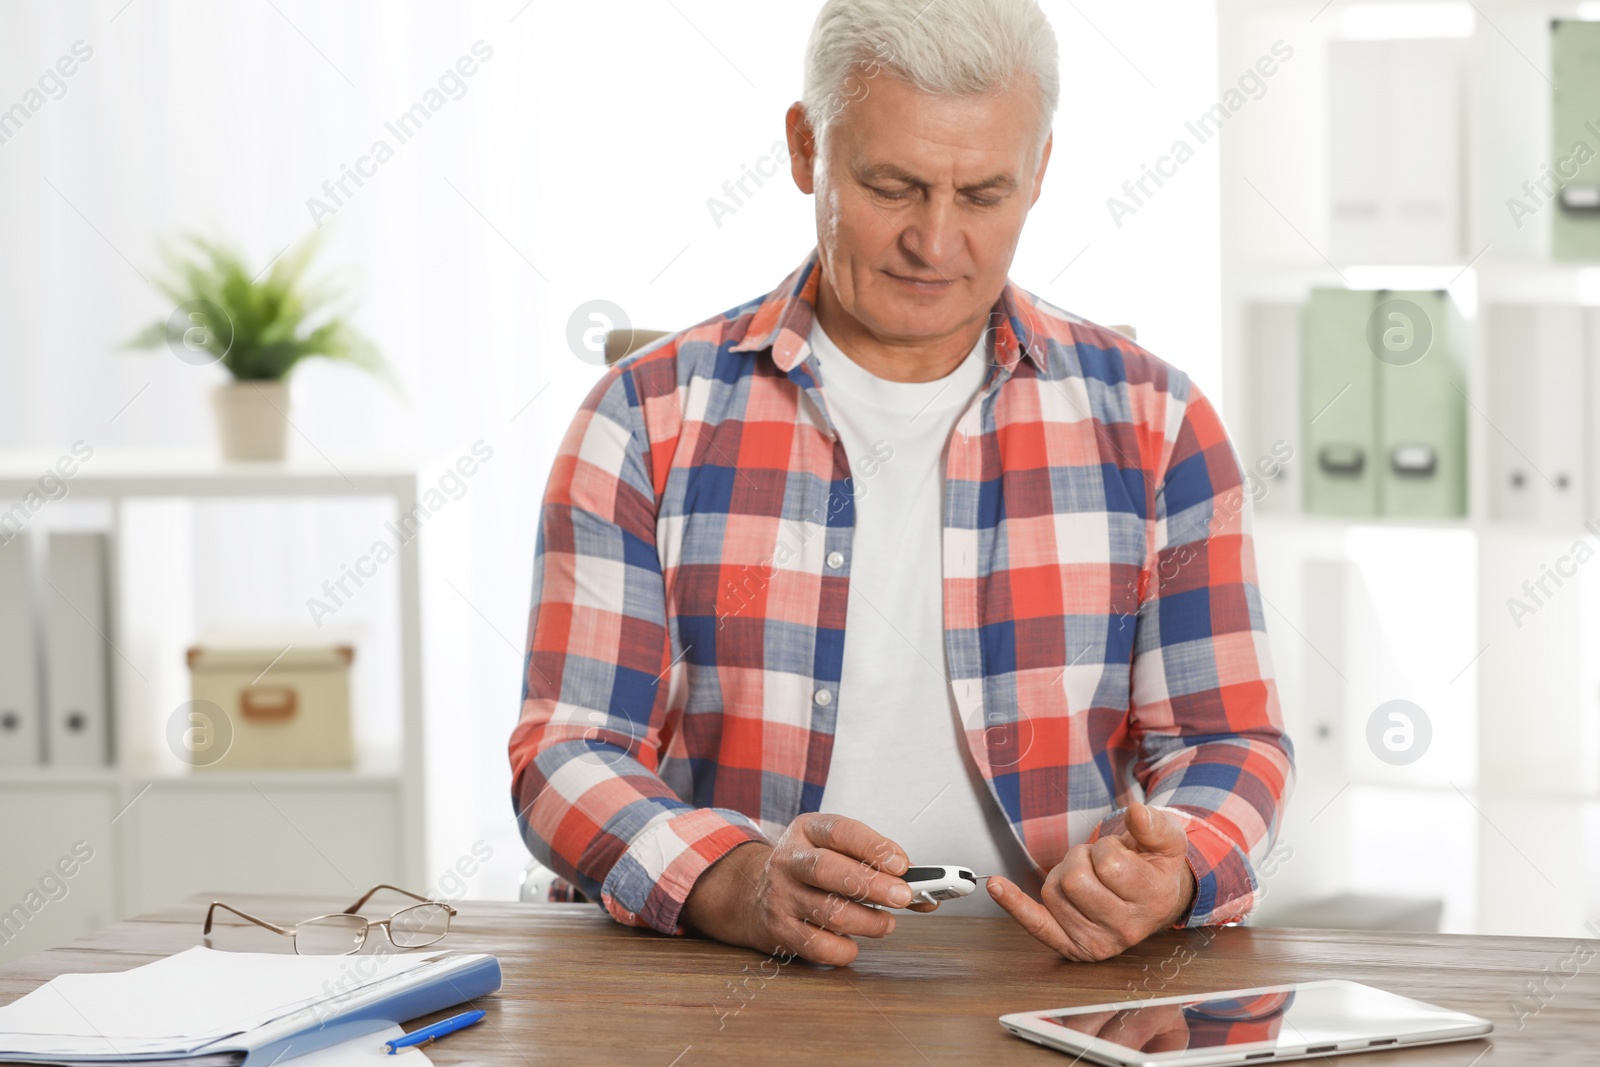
(934, 235)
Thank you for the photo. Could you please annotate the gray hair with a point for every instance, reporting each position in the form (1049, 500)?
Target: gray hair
(950, 47)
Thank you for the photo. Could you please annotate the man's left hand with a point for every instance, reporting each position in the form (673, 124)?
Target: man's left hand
(1108, 896)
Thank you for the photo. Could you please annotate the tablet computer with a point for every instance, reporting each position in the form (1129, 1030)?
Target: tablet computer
(1244, 1026)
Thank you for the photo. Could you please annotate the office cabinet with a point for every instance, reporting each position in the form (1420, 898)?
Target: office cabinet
(1518, 710)
(161, 829)
(58, 862)
(262, 836)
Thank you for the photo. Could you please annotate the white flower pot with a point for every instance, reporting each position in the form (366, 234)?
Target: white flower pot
(252, 420)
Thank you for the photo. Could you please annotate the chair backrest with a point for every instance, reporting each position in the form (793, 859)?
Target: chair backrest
(621, 342)
(541, 885)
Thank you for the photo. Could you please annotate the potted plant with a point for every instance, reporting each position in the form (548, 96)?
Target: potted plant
(259, 327)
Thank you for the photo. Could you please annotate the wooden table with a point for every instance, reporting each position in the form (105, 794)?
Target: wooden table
(580, 989)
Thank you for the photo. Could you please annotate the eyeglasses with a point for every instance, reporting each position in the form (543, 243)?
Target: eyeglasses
(416, 926)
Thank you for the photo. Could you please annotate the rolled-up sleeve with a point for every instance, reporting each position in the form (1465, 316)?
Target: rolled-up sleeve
(1204, 706)
(595, 716)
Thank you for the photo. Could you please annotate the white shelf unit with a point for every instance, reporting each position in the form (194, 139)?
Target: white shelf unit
(160, 830)
(1501, 817)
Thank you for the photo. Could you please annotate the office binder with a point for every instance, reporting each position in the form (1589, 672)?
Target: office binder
(1422, 470)
(1591, 433)
(1338, 381)
(455, 981)
(1574, 208)
(1396, 157)
(1358, 143)
(77, 650)
(20, 711)
(254, 1028)
(1534, 358)
(1274, 346)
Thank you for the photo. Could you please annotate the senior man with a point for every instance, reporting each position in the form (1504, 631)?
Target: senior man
(899, 563)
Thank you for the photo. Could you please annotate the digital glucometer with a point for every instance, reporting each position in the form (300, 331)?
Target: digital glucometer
(929, 885)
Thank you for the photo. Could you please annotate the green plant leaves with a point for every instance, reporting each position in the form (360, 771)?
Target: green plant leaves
(272, 322)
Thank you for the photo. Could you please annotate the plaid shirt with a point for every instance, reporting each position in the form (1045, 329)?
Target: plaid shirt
(1211, 1024)
(1103, 630)
(1238, 1021)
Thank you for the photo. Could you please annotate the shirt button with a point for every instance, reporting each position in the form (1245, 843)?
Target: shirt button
(836, 560)
(823, 697)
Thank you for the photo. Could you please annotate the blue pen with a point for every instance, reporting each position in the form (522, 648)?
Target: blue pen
(428, 1033)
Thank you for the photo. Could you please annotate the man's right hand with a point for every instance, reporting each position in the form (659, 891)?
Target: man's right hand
(803, 896)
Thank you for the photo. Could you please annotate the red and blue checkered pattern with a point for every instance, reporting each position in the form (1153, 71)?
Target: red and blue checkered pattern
(1103, 630)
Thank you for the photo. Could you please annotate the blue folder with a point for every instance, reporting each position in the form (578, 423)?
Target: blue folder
(409, 995)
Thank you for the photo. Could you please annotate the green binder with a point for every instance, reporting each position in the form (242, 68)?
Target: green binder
(1421, 396)
(1575, 141)
(1338, 379)
(1384, 403)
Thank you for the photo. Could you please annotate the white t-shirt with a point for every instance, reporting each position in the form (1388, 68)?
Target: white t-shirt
(900, 760)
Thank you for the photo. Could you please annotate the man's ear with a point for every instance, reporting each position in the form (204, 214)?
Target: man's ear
(802, 148)
(1044, 163)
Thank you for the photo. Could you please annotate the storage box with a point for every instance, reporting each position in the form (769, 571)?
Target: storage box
(1384, 404)
(283, 708)
(1338, 382)
(1572, 179)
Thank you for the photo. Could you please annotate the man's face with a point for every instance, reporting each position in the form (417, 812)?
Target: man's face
(920, 201)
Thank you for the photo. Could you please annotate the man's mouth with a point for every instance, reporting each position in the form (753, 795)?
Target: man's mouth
(921, 285)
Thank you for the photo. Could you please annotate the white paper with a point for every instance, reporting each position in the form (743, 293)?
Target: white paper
(184, 1002)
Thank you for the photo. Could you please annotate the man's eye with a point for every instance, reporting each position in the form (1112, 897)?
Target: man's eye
(890, 194)
(984, 201)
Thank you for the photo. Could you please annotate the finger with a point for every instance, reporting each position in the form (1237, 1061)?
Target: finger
(1155, 831)
(832, 872)
(1095, 918)
(1033, 917)
(1088, 1022)
(817, 945)
(1126, 873)
(858, 840)
(1080, 884)
(838, 915)
(1174, 1037)
(923, 905)
(1139, 1028)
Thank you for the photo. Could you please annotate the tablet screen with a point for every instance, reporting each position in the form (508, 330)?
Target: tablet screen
(1316, 1014)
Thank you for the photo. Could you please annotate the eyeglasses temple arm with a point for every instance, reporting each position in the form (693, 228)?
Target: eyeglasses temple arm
(352, 909)
(215, 904)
